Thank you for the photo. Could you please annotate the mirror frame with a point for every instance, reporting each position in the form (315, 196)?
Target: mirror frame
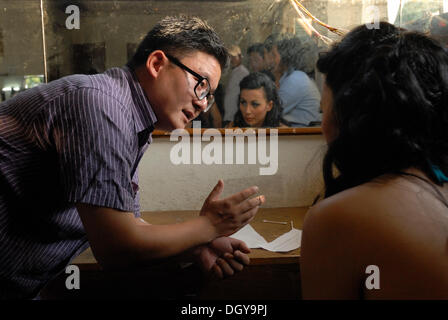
(281, 131)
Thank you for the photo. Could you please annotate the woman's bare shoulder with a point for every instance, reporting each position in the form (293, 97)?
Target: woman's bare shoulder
(356, 210)
(387, 195)
(393, 223)
(389, 207)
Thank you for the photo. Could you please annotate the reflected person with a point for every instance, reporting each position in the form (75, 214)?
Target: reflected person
(299, 94)
(439, 28)
(232, 90)
(260, 105)
(255, 53)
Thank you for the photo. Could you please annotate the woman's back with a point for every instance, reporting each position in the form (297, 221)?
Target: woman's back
(382, 230)
(396, 223)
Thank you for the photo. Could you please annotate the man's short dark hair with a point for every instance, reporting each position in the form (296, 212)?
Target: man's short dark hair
(181, 35)
(256, 47)
(270, 41)
(274, 39)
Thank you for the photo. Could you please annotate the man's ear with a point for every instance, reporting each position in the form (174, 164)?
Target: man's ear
(270, 105)
(155, 62)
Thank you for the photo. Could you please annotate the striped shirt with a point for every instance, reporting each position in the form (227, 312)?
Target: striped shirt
(77, 139)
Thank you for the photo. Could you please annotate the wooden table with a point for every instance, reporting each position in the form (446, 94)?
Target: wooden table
(269, 231)
(271, 275)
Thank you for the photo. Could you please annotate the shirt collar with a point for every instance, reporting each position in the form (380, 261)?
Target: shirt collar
(144, 116)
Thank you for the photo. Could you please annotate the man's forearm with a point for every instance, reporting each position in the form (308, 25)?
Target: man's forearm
(163, 241)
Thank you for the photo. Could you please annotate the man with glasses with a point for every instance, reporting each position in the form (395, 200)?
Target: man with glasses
(202, 87)
(85, 135)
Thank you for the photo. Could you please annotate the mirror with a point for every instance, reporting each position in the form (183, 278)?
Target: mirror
(21, 47)
(280, 39)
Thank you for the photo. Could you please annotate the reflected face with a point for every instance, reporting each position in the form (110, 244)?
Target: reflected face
(235, 61)
(329, 128)
(254, 106)
(256, 62)
(276, 58)
(272, 59)
(176, 104)
(268, 59)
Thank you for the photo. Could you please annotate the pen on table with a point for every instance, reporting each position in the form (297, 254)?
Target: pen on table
(279, 222)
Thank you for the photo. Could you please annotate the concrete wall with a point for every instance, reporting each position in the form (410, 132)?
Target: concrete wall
(165, 186)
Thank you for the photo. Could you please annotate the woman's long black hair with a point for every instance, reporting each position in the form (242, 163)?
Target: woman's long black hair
(390, 93)
(259, 80)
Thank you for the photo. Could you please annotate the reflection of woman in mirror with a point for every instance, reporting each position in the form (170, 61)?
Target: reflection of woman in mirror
(259, 104)
(381, 231)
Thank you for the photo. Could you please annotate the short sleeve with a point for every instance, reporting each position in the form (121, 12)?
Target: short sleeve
(96, 149)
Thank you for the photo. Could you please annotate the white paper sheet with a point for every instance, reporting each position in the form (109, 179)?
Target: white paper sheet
(251, 237)
(288, 241)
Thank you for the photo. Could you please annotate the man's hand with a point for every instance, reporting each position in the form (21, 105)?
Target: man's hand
(223, 256)
(230, 214)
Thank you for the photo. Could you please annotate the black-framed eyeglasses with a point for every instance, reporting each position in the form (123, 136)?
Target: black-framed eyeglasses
(202, 87)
